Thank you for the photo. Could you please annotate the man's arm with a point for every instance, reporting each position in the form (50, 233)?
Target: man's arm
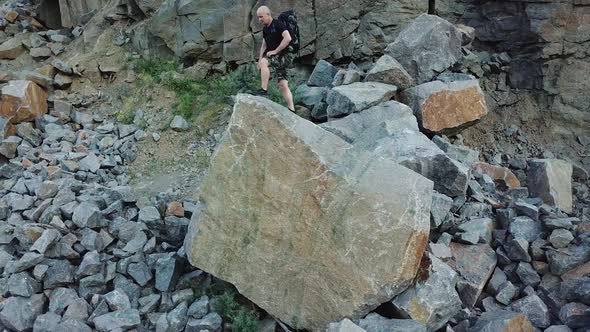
(284, 43)
(262, 49)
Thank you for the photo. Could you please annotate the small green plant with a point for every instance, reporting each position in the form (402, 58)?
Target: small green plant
(245, 321)
(155, 66)
(240, 317)
(227, 305)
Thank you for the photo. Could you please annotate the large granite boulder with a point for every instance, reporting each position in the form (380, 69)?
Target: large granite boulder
(22, 101)
(551, 179)
(390, 130)
(426, 47)
(347, 99)
(446, 107)
(302, 224)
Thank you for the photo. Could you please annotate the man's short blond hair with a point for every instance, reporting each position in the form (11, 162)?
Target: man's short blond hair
(263, 10)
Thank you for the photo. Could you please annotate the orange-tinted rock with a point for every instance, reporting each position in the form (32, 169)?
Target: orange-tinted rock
(497, 173)
(47, 70)
(175, 209)
(22, 101)
(27, 163)
(503, 321)
(580, 271)
(11, 16)
(443, 107)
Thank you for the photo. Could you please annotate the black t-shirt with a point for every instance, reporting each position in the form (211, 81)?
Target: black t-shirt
(273, 34)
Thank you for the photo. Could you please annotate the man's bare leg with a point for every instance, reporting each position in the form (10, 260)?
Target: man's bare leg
(264, 73)
(284, 87)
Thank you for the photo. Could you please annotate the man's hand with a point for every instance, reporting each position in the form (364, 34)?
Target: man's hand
(271, 53)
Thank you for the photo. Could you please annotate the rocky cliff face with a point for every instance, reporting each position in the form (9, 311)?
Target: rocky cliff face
(547, 41)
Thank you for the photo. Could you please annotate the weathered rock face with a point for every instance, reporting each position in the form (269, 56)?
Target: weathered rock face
(446, 107)
(289, 211)
(22, 101)
(548, 45)
(215, 30)
(426, 47)
(551, 179)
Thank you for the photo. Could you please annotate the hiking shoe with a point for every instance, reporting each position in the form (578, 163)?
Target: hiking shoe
(261, 92)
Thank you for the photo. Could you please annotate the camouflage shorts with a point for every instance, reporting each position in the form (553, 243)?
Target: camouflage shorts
(279, 64)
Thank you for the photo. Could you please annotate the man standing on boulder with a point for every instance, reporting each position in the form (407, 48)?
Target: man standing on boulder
(274, 54)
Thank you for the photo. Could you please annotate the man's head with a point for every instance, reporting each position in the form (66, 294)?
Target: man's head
(264, 16)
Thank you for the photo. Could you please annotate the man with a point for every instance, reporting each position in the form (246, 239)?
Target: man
(274, 54)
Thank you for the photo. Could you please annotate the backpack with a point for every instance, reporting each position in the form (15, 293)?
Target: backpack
(289, 19)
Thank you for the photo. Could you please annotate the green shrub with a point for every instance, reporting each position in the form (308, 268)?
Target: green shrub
(239, 316)
(155, 66)
(245, 321)
(195, 95)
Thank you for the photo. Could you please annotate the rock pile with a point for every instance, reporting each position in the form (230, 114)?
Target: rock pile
(448, 103)
(77, 253)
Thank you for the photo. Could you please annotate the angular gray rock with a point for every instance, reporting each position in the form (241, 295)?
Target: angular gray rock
(199, 308)
(175, 320)
(90, 163)
(560, 238)
(117, 300)
(527, 274)
(475, 264)
(525, 228)
(46, 322)
(551, 179)
(19, 313)
(376, 323)
(565, 259)
(60, 299)
(179, 124)
(426, 47)
(86, 215)
(348, 99)
(140, 272)
(323, 74)
(345, 325)
(167, 273)
(460, 153)
(433, 301)
(575, 315)
(48, 238)
(535, 309)
(502, 321)
(354, 126)
(8, 146)
(90, 264)
(310, 96)
(22, 284)
(387, 70)
(441, 205)
(122, 319)
(210, 322)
